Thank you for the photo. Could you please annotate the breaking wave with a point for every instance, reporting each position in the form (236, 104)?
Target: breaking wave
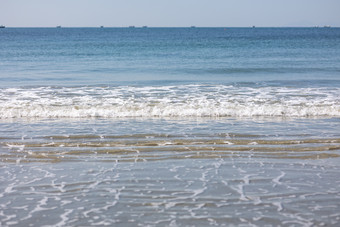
(168, 101)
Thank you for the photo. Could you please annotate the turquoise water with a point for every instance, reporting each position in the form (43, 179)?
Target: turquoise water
(92, 56)
(169, 126)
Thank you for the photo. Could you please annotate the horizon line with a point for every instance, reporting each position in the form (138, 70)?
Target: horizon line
(193, 26)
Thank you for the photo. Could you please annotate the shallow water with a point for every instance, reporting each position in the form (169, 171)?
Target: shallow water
(190, 172)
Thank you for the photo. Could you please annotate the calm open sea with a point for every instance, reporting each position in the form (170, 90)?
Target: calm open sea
(170, 126)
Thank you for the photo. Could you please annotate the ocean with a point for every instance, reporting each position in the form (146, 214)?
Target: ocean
(169, 126)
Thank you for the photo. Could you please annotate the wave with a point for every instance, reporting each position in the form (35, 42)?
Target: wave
(168, 101)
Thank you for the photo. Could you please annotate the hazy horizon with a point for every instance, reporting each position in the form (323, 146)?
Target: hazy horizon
(153, 13)
(146, 26)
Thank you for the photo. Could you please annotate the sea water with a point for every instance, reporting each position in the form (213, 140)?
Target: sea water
(169, 126)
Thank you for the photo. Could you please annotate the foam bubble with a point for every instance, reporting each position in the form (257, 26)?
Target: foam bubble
(168, 101)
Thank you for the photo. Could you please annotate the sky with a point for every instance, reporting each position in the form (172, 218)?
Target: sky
(169, 13)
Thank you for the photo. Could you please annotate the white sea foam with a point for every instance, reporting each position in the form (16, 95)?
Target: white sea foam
(168, 101)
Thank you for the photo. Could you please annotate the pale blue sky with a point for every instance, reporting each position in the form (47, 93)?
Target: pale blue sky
(176, 13)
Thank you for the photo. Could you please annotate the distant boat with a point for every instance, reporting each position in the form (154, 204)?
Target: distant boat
(58, 26)
(145, 26)
(327, 26)
(101, 26)
(2, 26)
(131, 26)
(253, 26)
(193, 27)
